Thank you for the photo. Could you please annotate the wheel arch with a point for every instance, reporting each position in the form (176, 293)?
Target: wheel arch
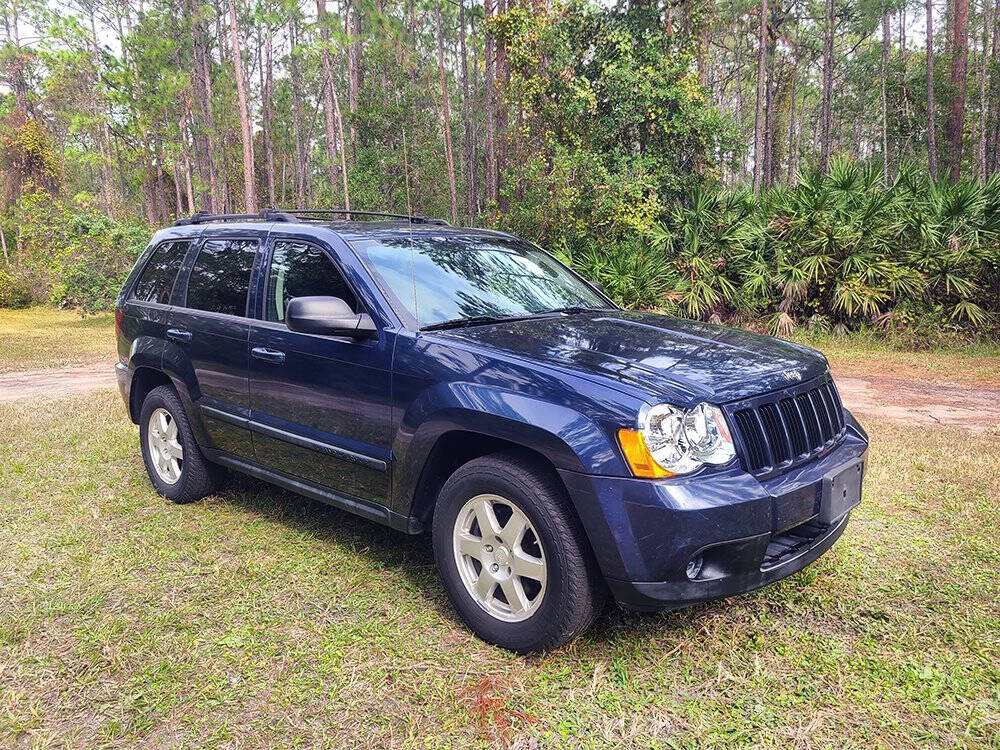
(455, 448)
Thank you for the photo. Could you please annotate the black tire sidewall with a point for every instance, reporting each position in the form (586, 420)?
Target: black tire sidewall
(530, 634)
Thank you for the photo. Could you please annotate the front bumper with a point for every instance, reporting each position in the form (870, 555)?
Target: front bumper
(748, 532)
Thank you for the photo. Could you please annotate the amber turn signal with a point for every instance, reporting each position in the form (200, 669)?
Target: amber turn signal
(640, 460)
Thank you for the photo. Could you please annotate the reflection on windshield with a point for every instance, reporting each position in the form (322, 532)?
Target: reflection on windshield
(449, 278)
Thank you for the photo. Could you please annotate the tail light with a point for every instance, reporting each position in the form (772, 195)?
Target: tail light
(118, 322)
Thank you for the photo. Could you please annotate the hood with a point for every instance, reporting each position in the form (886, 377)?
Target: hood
(662, 356)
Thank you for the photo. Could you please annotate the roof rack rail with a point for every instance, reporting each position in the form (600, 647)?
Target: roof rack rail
(206, 217)
(302, 214)
(413, 218)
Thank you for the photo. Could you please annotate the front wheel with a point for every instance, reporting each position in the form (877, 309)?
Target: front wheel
(512, 555)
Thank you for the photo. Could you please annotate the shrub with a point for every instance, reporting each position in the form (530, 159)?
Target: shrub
(14, 291)
(74, 254)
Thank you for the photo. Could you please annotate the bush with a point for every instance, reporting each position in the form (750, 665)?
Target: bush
(73, 254)
(840, 251)
(14, 291)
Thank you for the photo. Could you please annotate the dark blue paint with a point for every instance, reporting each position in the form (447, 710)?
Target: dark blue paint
(356, 422)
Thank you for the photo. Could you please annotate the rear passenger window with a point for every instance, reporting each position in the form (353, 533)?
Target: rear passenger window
(156, 281)
(220, 279)
(299, 269)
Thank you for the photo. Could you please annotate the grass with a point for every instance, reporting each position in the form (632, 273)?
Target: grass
(860, 353)
(261, 619)
(48, 337)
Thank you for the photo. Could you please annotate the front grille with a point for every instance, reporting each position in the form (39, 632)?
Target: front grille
(782, 431)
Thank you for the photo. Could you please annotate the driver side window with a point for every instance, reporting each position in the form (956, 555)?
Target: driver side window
(299, 269)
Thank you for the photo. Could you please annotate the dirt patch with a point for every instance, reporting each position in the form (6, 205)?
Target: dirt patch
(900, 398)
(65, 381)
(919, 402)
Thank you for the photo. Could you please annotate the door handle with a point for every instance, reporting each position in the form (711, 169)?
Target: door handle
(178, 334)
(268, 355)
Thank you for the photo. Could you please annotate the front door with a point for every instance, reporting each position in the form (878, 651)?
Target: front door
(319, 404)
(211, 331)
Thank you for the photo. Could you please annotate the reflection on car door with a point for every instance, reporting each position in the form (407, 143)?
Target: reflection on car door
(212, 330)
(319, 404)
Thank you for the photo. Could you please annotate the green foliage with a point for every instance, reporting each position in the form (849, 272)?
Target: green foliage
(632, 274)
(14, 291)
(73, 253)
(584, 83)
(833, 252)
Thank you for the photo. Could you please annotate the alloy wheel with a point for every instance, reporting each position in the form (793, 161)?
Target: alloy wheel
(165, 449)
(500, 557)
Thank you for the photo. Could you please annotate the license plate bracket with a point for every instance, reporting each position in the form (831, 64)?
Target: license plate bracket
(841, 490)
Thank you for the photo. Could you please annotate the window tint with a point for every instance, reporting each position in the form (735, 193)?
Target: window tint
(156, 281)
(299, 269)
(220, 278)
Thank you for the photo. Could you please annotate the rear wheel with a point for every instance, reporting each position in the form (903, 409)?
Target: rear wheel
(173, 460)
(512, 555)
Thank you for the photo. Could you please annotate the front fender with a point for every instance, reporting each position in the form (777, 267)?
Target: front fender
(568, 438)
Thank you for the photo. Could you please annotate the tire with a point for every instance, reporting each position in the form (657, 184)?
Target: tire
(559, 599)
(195, 476)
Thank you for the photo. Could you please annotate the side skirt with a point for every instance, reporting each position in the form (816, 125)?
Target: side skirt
(365, 509)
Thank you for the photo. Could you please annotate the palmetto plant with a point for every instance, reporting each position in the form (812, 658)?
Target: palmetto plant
(842, 248)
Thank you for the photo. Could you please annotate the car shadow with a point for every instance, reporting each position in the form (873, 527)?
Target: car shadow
(412, 556)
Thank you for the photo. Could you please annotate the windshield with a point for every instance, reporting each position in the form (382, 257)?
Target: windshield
(450, 278)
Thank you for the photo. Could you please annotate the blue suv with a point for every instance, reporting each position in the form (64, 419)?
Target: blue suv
(464, 382)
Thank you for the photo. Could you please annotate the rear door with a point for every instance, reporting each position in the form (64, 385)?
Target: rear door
(146, 310)
(320, 404)
(210, 332)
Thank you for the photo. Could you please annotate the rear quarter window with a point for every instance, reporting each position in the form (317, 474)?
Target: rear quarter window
(156, 282)
(220, 279)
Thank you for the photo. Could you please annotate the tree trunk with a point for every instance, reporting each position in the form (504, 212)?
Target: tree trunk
(447, 116)
(476, 158)
(267, 93)
(792, 155)
(354, 72)
(769, 118)
(490, 93)
(959, 72)
(825, 145)
(983, 109)
(994, 96)
(203, 125)
(502, 73)
(931, 134)
(470, 167)
(758, 122)
(331, 111)
(249, 185)
(300, 151)
(885, 107)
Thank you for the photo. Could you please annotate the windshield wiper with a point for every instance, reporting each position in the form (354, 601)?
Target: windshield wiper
(574, 309)
(475, 320)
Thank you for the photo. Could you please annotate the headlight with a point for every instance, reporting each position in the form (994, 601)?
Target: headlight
(677, 441)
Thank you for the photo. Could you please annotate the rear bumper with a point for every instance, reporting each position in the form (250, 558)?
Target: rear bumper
(124, 377)
(747, 533)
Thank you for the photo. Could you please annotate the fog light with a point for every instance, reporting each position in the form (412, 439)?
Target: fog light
(694, 567)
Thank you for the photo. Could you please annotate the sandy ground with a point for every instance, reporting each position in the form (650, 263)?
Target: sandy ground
(65, 381)
(867, 395)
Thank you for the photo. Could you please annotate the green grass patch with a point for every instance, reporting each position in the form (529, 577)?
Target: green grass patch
(41, 337)
(262, 619)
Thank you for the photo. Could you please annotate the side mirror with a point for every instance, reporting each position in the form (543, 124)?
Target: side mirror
(327, 316)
